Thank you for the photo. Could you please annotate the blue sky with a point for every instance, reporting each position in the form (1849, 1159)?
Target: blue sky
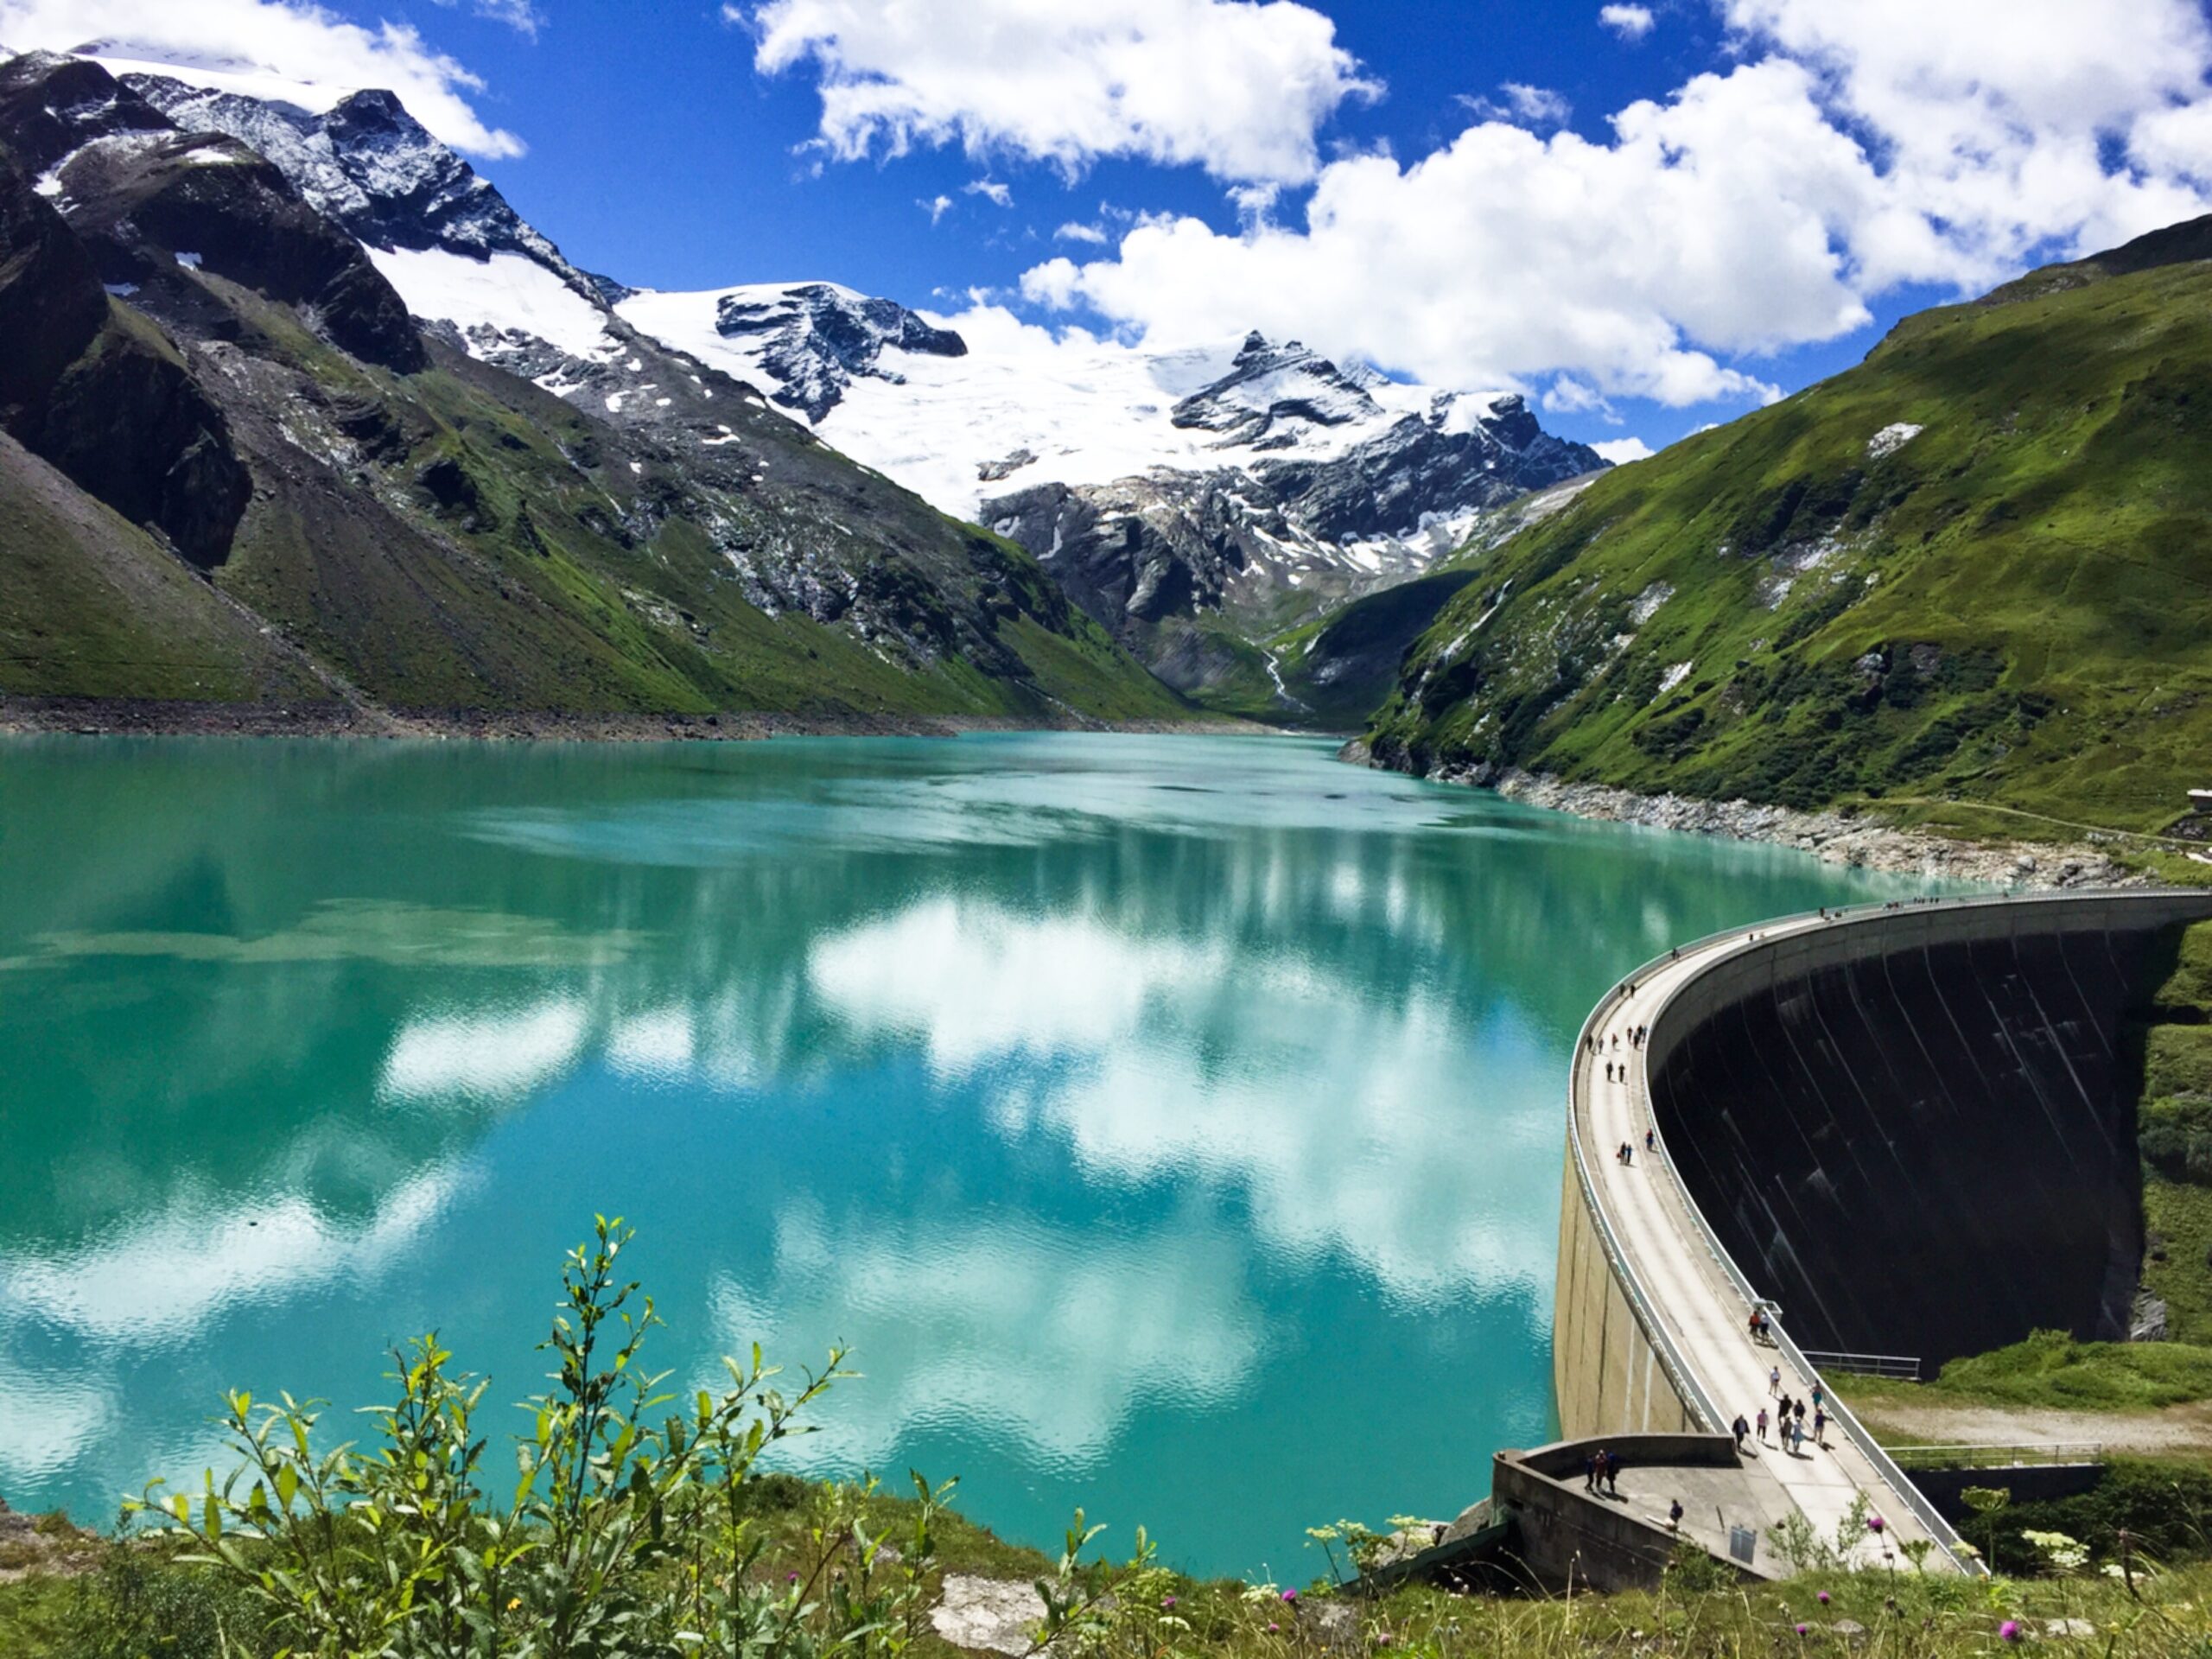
(1649, 216)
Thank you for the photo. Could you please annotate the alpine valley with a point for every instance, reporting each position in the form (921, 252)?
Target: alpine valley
(299, 410)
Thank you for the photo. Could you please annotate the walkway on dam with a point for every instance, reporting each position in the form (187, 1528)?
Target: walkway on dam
(1703, 1313)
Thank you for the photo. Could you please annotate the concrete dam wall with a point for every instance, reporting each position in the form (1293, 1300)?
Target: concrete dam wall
(1915, 1128)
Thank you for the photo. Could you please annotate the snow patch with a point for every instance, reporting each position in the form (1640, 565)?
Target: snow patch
(1675, 674)
(189, 261)
(504, 291)
(1891, 438)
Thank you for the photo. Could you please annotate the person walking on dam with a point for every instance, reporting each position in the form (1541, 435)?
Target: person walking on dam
(1742, 1429)
(1774, 1381)
(1762, 1425)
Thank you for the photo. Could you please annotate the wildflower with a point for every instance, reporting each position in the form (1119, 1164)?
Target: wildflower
(1273, 1627)
(1290, 1595)
(1801, 1629)
(1824, 1598)
(514, 1603)
(1167, 1601)
(791, 1577)
(1382, 1639)
(1875, 1523)
(2009, 1631)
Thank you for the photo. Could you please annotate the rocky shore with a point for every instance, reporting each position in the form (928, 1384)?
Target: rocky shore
(1860, 842)
(145, 718)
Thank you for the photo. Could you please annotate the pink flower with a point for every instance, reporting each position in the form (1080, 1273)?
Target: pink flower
(1290, 1595)
(1874, 1523)
(2009, 1631)
(791, 1577)
(1273, 1627)
(1167, 1601)
(1801, 1629)
(1383, 1639)
(1824, 1598)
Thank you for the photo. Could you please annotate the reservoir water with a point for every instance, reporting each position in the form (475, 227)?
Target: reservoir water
(1170, 1126)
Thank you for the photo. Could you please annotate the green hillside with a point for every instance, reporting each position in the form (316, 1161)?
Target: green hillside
(2008, 607)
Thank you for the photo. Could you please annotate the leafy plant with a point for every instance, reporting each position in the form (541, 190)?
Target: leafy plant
(628, 1531)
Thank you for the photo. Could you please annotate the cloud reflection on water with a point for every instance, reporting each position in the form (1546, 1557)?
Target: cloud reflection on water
(1026, 1334)
(1349, 1124)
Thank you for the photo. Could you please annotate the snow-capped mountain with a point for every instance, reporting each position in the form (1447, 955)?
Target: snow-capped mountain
(1253, 477)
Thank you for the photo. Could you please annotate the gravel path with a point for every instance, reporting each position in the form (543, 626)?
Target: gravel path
(2174, 1428)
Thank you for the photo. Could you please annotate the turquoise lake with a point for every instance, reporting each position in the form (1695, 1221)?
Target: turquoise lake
(1171, 1126)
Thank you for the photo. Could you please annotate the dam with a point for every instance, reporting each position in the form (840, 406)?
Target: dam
(1903, 1130)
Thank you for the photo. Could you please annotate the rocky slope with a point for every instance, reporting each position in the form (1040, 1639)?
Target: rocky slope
(1965, 574)
(203, 370)
(1194, 501)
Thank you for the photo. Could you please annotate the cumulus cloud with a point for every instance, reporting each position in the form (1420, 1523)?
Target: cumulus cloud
(1994, 119)
(1236, 88)
(995, 191)
(1621, 451)
(1705, 224)
(1846, 151)
(1629, 22)
(287, 49)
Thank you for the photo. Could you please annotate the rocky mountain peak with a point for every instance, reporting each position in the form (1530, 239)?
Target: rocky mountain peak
(370, 165)
(53, 106)
(1273, 393)
(816, 338)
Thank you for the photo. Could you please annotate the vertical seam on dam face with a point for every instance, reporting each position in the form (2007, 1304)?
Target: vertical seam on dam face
(1912, 1127)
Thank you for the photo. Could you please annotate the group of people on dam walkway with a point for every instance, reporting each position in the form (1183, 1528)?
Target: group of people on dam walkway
(1712, 1330)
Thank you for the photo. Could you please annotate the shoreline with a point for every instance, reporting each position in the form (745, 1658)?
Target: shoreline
(23, 717)
(1858, 842)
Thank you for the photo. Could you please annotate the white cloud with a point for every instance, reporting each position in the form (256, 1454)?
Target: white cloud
(936, 206)
(1239, 89)
(1506, 255)
(1538, 106)
(1629, 22)
(1991, 115)
(1621, 451)
(1848, 150)
(521, 16)
(1073, 232)
(287, 49)
(995, 192)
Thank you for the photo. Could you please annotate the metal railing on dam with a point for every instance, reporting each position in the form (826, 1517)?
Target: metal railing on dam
(1651, 1325)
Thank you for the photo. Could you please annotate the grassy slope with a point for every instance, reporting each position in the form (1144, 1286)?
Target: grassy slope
(89, 605)
(2041, 539)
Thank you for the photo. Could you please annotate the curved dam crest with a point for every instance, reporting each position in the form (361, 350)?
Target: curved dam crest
(1911, 1128)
